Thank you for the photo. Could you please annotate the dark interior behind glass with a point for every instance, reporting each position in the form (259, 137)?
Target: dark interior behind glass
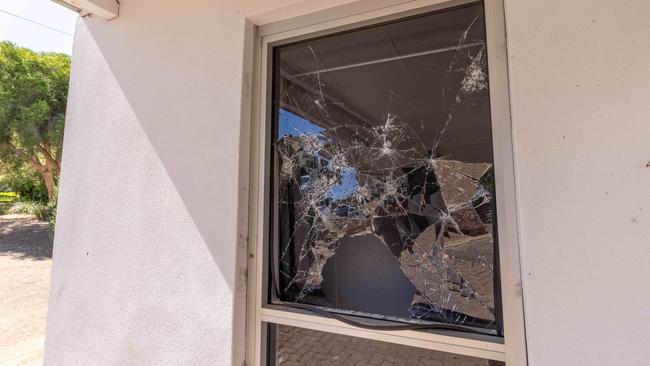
(382, 173)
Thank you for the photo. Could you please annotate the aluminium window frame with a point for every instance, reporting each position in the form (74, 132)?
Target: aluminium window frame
(512, 347)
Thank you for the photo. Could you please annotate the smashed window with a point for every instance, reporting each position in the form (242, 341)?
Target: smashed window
(382, 173)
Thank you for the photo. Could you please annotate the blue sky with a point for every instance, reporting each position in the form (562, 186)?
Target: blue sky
(36, 37)
(294, 125)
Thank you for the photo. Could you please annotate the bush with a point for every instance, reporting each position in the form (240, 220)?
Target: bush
(51, 220)
(26, 194)
(24, 183)
(40, 210)
(6, 201)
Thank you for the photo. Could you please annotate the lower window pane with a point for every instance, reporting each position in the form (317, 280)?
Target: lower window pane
(291, 346)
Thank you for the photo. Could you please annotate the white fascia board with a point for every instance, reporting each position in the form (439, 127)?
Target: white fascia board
(107, 9)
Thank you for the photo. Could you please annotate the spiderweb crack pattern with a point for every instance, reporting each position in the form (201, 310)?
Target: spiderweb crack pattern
(379, 178)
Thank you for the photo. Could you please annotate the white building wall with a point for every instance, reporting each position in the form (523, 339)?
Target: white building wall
(146, 262)
(580, 100)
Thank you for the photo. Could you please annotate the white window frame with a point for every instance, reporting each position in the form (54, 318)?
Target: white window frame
(512, 347)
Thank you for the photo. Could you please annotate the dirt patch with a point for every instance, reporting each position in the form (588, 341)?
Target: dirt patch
(25, 264)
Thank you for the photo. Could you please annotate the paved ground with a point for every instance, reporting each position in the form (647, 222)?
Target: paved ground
(304, 347)
(25, 263)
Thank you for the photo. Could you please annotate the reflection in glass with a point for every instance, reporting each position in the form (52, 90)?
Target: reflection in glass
(304, 347)
(382, 172)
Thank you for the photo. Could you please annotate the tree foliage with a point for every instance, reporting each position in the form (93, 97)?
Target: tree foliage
(24, 181)
(33, 96)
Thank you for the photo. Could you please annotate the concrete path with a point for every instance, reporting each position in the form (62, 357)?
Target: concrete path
(25, 264)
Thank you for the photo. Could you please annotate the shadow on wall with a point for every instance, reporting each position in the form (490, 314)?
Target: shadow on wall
(191, 116)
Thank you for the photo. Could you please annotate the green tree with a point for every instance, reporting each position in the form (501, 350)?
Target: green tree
(33, 96)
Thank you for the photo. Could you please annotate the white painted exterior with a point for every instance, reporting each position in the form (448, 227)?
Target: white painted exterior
(148, 260)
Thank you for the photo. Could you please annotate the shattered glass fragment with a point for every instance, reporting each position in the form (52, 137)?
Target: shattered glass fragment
(475, 76)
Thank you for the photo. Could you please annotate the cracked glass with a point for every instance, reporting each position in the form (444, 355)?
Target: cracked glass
(382, 173)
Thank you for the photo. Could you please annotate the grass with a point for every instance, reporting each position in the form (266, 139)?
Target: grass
(41, 210)
(10, 203)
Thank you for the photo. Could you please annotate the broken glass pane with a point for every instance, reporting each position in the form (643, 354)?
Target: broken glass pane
(383, 172)
(293, 346)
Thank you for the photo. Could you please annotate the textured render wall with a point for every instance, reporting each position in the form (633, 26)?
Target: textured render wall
(145, 263)
(145, 268)
(581, 115)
